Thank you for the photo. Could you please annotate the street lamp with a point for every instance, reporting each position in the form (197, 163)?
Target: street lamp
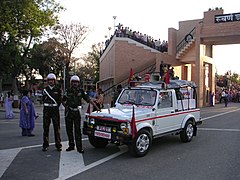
(114, 19)
(64, 78)
(109, 28)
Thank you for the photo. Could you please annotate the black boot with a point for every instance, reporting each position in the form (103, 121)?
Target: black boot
(70, 149)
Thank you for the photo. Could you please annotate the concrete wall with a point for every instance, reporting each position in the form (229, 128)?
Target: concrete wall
(185, 27)
(133, 55)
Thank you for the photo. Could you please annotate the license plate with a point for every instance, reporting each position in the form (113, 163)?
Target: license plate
(102, 134)
(103, 128)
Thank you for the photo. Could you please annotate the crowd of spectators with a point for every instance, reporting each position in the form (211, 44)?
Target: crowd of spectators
(232, 92)
(149, 41)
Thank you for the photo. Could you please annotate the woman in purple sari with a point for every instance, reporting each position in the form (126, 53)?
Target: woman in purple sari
(8, 106)
(27, 114)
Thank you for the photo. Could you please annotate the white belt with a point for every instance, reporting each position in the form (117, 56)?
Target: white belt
(73, 109)
(50, 105)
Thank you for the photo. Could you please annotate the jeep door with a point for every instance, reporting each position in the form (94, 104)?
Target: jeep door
(166, 119)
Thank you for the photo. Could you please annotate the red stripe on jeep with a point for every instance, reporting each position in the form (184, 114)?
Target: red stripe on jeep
(167, 115)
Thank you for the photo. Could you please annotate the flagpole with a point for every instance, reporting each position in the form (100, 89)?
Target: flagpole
(133, 124)
(88, 111)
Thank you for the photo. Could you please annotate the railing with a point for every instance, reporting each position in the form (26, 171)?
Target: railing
(124, 83)
(162, 48)
(186, 39)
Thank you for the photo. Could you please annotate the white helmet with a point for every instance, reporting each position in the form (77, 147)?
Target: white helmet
(51, 76)
(75, 78)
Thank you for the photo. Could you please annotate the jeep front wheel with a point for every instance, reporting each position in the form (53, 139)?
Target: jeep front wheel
(98, 142)
(186, 134)
(140, 144)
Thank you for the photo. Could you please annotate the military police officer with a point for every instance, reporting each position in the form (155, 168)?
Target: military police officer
(51, 101)
(72, 102)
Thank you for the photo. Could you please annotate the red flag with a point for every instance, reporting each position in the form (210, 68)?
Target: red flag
(130, 76)
(147, 77)
(133, 124)
(167, 77)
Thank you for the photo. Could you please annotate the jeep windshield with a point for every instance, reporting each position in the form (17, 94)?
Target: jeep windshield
(139, 97)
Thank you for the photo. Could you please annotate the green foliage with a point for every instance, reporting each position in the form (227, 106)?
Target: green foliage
(21, 23)
(235, 78)
(48, 57)
(27, 18)
(6, 51)
(89, 69)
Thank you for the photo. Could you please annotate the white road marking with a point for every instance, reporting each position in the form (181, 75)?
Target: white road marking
(210, 117)
(6, 158)
(215, 129)
(8, 155)
(70, 162)
(84, 168)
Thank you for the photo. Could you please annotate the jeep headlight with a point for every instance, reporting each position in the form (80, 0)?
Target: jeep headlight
(114, 129)
(92, 121)
(123, 126)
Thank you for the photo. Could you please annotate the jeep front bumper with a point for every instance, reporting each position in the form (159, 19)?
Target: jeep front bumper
(114, 137)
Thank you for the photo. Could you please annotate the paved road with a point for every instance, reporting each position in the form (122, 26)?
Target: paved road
(213, 154)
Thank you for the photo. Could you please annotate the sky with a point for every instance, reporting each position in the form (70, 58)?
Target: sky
(151, 17)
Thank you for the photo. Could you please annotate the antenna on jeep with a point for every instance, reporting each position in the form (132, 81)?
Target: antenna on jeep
(108, 107)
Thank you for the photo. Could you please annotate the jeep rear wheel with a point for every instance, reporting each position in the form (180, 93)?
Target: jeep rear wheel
(141, 143)
(186, 134)
(98, 142)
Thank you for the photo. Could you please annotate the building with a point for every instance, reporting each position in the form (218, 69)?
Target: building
(190, 52)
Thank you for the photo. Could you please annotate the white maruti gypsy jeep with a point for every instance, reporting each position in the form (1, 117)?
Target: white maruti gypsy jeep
(145, 112)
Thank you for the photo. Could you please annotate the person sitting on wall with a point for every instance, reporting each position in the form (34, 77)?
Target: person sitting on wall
(161, 70)
(171, 72)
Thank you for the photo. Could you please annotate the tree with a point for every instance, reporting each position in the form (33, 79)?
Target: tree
(71, 36)
(21, 24)
(235, 78)
(89, 68)
(4, 65)
(48, 57)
